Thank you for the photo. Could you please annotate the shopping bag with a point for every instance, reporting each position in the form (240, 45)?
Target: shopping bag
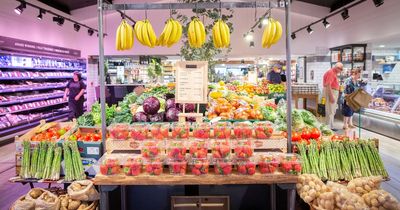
(351, 103)
(362, 98)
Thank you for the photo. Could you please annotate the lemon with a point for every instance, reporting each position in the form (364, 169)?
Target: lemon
(221, 83)
(215, 94)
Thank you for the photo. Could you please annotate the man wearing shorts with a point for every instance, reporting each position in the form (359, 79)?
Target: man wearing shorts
(331, 92)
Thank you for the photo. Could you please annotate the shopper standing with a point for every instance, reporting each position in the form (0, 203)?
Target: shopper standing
(274, 76)
(75, 90)
(331, 92)
(351, 85)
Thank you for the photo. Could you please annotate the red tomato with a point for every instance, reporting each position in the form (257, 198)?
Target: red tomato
(296, 136)
(315, 133)
(337, 138)
(305, 134)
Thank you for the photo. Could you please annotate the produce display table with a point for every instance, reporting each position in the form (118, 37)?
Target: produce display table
(315, 97)
(110, 183)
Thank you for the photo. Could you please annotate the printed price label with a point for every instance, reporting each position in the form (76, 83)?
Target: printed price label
(93, 151)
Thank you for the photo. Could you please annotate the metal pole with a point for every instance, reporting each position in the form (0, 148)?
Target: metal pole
(288, 77)
(102, 76)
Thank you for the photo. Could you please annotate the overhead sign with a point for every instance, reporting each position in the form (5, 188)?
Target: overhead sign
(22, 46)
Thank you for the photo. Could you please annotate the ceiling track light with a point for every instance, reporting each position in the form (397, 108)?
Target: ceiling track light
(18, 10)
(326, 23)
(77, 27)
(309, 30)
(378, 2)
(345, 14)
(59, 20)
(41, 12)
(293, 36)
(252, 44)
(90, 32)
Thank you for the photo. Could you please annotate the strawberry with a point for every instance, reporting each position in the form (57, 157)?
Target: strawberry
(227, 170)
(251, 171)
(196, 171)
(104, 169)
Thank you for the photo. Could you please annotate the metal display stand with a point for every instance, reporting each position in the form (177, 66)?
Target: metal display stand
(101, 6)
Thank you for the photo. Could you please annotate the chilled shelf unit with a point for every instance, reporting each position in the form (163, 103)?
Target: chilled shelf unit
(32, 89)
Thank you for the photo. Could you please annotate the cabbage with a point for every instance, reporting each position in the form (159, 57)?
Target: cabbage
(188, 107)
(170, 104)
(297, 120)
(162, 104)
(151, 105)
(140, 117)
(159, 117)
(172, 115)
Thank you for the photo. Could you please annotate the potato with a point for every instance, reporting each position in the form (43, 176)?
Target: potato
(64, 202)
(36, 193)
(74, 204)
(82, 206)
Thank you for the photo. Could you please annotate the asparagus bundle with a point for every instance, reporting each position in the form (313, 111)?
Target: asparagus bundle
(73, 163)
(304, 158)
(26, 158)
(344, 161)
(322, 162)
(68, 163)
(34, 161)
(56, 165)
(314, 157)
(49, 160)
(41, 160)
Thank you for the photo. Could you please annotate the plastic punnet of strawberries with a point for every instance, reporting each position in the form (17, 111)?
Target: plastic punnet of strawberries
(263, 130)
(151, 149)
(243, 149)
(176, 150)
(201, 131)
(223, 166)
(133, 166)
(199, 166)
(221, 149)
(153, 166)
(110, 166)
(139, 131)
(180, 130)
(246, 166)
(268, 164)
(242, 130)
(290, 164)
(177, 167)
(198, 149)
(222, 130)
(159, 131)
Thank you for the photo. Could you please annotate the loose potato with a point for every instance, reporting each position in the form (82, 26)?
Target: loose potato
(74, 204)
(36, 193)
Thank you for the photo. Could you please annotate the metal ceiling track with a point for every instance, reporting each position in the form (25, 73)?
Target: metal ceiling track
(200, 5)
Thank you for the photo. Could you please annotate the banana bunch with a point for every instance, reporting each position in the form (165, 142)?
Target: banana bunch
(196, 33)
(272, 33)
(221, 34)
(145, 33)
(124, 37)
(171, 34)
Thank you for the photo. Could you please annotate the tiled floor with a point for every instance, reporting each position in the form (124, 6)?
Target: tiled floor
(389, 150)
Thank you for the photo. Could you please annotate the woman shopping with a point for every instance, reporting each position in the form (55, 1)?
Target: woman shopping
(75, 90)
(351, 85)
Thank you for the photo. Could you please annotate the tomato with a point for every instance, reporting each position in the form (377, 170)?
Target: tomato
(337, 138)
(96, 137)
(87, 137)
(305, 134)
(315, 133)
(296, 136)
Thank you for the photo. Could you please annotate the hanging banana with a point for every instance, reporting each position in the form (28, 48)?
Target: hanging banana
(272, 33)
(196, 33)
(221, 34)
(145, 33)
(124, 37)
(171, 33)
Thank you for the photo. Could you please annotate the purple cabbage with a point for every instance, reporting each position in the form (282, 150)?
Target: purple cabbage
(170, 104)
(188, 107)
(159, 117)
(151, 105)
(140, 117)
(172, 115)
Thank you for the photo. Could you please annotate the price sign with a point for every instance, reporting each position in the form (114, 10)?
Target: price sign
(191, 82)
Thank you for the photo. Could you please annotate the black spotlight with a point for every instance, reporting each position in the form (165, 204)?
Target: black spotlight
(345, 14)
(326, 23)
(252, 44)
(59, 20)
(18, 10)
(90, 32)
(77, 27)
(293, 36)
(40, 16)
(378, 2)
(309, 30)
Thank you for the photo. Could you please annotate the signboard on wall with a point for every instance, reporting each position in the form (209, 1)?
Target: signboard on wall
(191, 82)
(22, 46)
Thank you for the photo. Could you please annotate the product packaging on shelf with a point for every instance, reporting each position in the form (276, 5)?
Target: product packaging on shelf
(246, 166)
(290, 164)
(199, 166)
(159, 131)
(177, 167)
(268, 163)
(152, 149)
(201, 130)
(198, 148)
(243, 149)
(119, 131)
(133, 165)
(263, 130)
(176, 149)
(222, 130)
(180, 130)
(242, 130)
(110, 164)
(221, 149)
(153, 166)
(138, 131)
(223, 166)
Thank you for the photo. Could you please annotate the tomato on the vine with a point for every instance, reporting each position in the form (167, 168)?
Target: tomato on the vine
(305, 134)
(296, 136)
(315, 133)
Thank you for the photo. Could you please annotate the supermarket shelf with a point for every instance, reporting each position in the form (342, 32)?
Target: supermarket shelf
(11, 90)
(32, 108)
(33, 78)
(18, 179)
(25, 126)
(31, 100)
(39, 68)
